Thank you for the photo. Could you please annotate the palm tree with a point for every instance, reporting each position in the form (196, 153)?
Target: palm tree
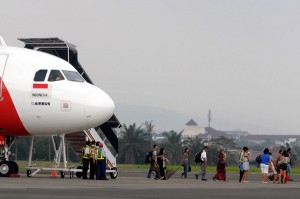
(132, 142)
(224, 142)
(149, 128)
(174, 147)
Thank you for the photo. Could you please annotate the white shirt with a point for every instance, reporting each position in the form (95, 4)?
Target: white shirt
(154, 155)
(203, 156)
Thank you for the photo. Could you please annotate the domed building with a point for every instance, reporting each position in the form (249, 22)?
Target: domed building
(192, 130)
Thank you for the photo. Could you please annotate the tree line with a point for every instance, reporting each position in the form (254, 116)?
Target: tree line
(135, 142)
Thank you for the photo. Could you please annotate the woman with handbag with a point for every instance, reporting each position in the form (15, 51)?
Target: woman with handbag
(185, 162)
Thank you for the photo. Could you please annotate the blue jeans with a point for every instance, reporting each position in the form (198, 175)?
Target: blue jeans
(185, 169)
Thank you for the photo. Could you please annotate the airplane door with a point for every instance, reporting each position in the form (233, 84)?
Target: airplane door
(3, 61)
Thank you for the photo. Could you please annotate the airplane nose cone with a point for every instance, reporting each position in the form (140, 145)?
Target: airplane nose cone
(99, 107)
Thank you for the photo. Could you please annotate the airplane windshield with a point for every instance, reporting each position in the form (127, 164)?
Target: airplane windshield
(73, 76)
(40, 75)
(55, 75)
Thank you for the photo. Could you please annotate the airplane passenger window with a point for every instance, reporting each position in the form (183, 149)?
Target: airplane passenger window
(73, 76)
(40, 76)
(55, 75)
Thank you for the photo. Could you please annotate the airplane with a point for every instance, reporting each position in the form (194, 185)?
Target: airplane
(41, 94)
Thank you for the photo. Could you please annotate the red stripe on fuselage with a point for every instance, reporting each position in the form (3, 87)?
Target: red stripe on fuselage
(10, 123)
(40, 86)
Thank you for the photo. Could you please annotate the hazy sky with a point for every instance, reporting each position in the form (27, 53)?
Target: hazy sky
(241, 59)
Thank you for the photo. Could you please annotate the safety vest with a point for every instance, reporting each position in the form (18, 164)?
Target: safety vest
(100, 156)
(86, 152)
(92, 152)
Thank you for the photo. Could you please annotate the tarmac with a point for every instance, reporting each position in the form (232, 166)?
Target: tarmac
(132, 183)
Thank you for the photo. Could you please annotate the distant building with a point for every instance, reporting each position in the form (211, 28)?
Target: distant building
(192, 130)
(277, 139)
(237, 134)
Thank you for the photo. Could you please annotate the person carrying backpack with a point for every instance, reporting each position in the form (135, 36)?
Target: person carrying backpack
(153, 163)
(203, 164)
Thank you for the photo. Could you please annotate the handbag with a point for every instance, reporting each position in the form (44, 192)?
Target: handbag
(190, 169)
(155, 167)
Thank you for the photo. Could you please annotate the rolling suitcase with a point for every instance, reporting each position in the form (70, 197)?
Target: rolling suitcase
(170, 172)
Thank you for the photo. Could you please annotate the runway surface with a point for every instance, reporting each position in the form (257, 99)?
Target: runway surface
(133, 184)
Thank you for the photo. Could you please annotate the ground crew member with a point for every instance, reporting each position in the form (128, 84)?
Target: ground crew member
(85, 159)
(92, 160)
(101, 162)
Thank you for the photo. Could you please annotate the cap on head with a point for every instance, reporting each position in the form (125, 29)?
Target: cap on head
(87, 142)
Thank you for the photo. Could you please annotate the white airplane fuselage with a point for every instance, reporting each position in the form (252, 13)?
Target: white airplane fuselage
(41, 94)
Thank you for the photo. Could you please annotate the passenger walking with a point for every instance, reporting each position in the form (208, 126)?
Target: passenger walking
(92, 160)
(246, 160)
(221, 167)
(264, 165)
(85, 159)
(203, 164)
(272, 170)
(289, 164)
(161, 161)
(282, 162)
(241, 163)
(185, 162)
(101, 162)
(277, 165)
(153, 163)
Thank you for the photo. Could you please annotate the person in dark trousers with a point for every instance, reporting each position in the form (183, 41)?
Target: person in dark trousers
(92, 160)
(161, 161)
(153, 163)
(85, 159)
(241, 163)
(101, 162)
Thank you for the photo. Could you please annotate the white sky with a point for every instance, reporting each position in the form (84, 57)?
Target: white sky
(238, 58)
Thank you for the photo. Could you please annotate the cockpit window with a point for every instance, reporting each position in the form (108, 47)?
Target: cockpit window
(40, 76)
(55, 75)
(73, 76)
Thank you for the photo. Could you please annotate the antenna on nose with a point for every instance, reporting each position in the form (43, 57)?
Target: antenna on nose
(2, 42)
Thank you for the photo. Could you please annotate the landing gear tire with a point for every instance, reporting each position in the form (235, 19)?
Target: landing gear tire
(79, 174)
(6, 168)
(28, 173)
(15, 167)
(114, 174)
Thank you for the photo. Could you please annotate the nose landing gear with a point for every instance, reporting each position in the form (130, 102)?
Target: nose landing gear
(7, 168)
